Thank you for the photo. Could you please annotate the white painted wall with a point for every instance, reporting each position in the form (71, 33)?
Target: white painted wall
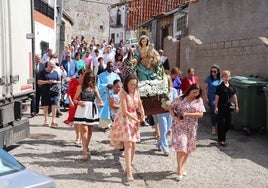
(46, 34)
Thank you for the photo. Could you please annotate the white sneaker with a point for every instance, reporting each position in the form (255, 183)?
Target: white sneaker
(179, 178)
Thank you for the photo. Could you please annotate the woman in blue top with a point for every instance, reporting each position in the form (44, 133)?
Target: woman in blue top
(209, 89)
(164, 121)
(176, 79)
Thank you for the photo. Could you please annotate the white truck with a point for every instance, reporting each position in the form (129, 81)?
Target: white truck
(16, 68)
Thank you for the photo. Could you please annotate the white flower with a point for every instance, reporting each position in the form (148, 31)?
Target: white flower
(165, 103)
(151, 88)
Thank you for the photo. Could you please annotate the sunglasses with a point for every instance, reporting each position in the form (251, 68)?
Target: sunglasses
(213, 71)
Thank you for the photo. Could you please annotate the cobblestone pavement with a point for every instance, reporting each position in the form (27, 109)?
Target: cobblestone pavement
(52, 152)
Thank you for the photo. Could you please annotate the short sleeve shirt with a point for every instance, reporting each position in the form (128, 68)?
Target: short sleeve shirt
(225, 94)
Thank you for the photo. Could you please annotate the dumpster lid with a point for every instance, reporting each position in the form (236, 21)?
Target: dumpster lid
(250, 81)
(239, 78)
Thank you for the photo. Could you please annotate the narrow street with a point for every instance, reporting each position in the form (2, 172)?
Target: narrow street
(52, 152)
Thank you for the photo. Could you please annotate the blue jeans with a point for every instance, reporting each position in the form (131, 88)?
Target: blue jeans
(164, 122)
(211, 104)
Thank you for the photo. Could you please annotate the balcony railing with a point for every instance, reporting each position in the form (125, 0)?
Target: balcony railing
(44, 8)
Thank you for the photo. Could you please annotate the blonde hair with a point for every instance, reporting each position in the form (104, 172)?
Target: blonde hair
(170, 83)
(225, 73)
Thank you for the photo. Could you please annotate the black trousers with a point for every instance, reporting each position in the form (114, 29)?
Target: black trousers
(224, 123)
(36, 101)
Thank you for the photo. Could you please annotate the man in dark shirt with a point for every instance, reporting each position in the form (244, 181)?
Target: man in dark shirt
(38, 67)
(164, 60)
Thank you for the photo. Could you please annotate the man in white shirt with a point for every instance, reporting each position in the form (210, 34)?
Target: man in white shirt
(108, 55)
(62, 74)
(95, 64)
(47, 56)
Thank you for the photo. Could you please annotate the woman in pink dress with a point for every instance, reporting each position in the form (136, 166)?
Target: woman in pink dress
(185, 111)
(125, 128)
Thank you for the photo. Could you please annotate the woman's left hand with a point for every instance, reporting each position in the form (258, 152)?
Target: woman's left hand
(100, 104)
(216, 111)
(80, 103)
(236, 109)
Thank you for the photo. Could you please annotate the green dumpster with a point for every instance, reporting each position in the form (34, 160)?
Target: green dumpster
(251, 100)
(265, 89)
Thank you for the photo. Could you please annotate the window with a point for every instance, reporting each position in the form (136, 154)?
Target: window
(181, 23)
(118, 17)
(180, 27)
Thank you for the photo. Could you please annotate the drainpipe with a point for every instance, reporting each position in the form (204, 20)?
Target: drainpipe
(59, 23)
(33, 38)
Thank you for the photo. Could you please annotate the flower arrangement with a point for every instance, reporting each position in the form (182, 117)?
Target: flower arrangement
(152, 88)
(154, 94)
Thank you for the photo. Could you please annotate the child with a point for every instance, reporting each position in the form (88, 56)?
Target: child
(114, 99)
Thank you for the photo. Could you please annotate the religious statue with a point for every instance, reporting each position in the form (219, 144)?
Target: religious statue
(146, 60)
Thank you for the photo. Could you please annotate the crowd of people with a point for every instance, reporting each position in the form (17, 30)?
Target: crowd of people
(103, 90)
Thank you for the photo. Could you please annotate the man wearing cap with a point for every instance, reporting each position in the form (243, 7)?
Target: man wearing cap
(69, 65)
(163, 59)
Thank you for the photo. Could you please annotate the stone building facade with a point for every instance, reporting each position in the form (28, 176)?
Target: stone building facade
(232, 34)
(91, 18)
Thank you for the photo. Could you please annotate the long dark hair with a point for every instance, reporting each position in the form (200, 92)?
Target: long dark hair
(88, 81)
(127, 79)
(218, 72)
(129, 54)
(192, 87)
(81, 71)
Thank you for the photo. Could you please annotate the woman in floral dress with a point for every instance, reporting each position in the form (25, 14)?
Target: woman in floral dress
(127, 121)
(185, 111)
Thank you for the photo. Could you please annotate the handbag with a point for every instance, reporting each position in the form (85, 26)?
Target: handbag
(231, 106)
(54, 90)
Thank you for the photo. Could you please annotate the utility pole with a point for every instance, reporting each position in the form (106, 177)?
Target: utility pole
(59, 23)
(109, 12)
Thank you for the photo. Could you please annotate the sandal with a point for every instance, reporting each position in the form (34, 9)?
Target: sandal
(158, 148)
(184, 173)
(166, 154)
(54, 125)
(156, 136)
(130, 178)
(46, 124)
(84, 157)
